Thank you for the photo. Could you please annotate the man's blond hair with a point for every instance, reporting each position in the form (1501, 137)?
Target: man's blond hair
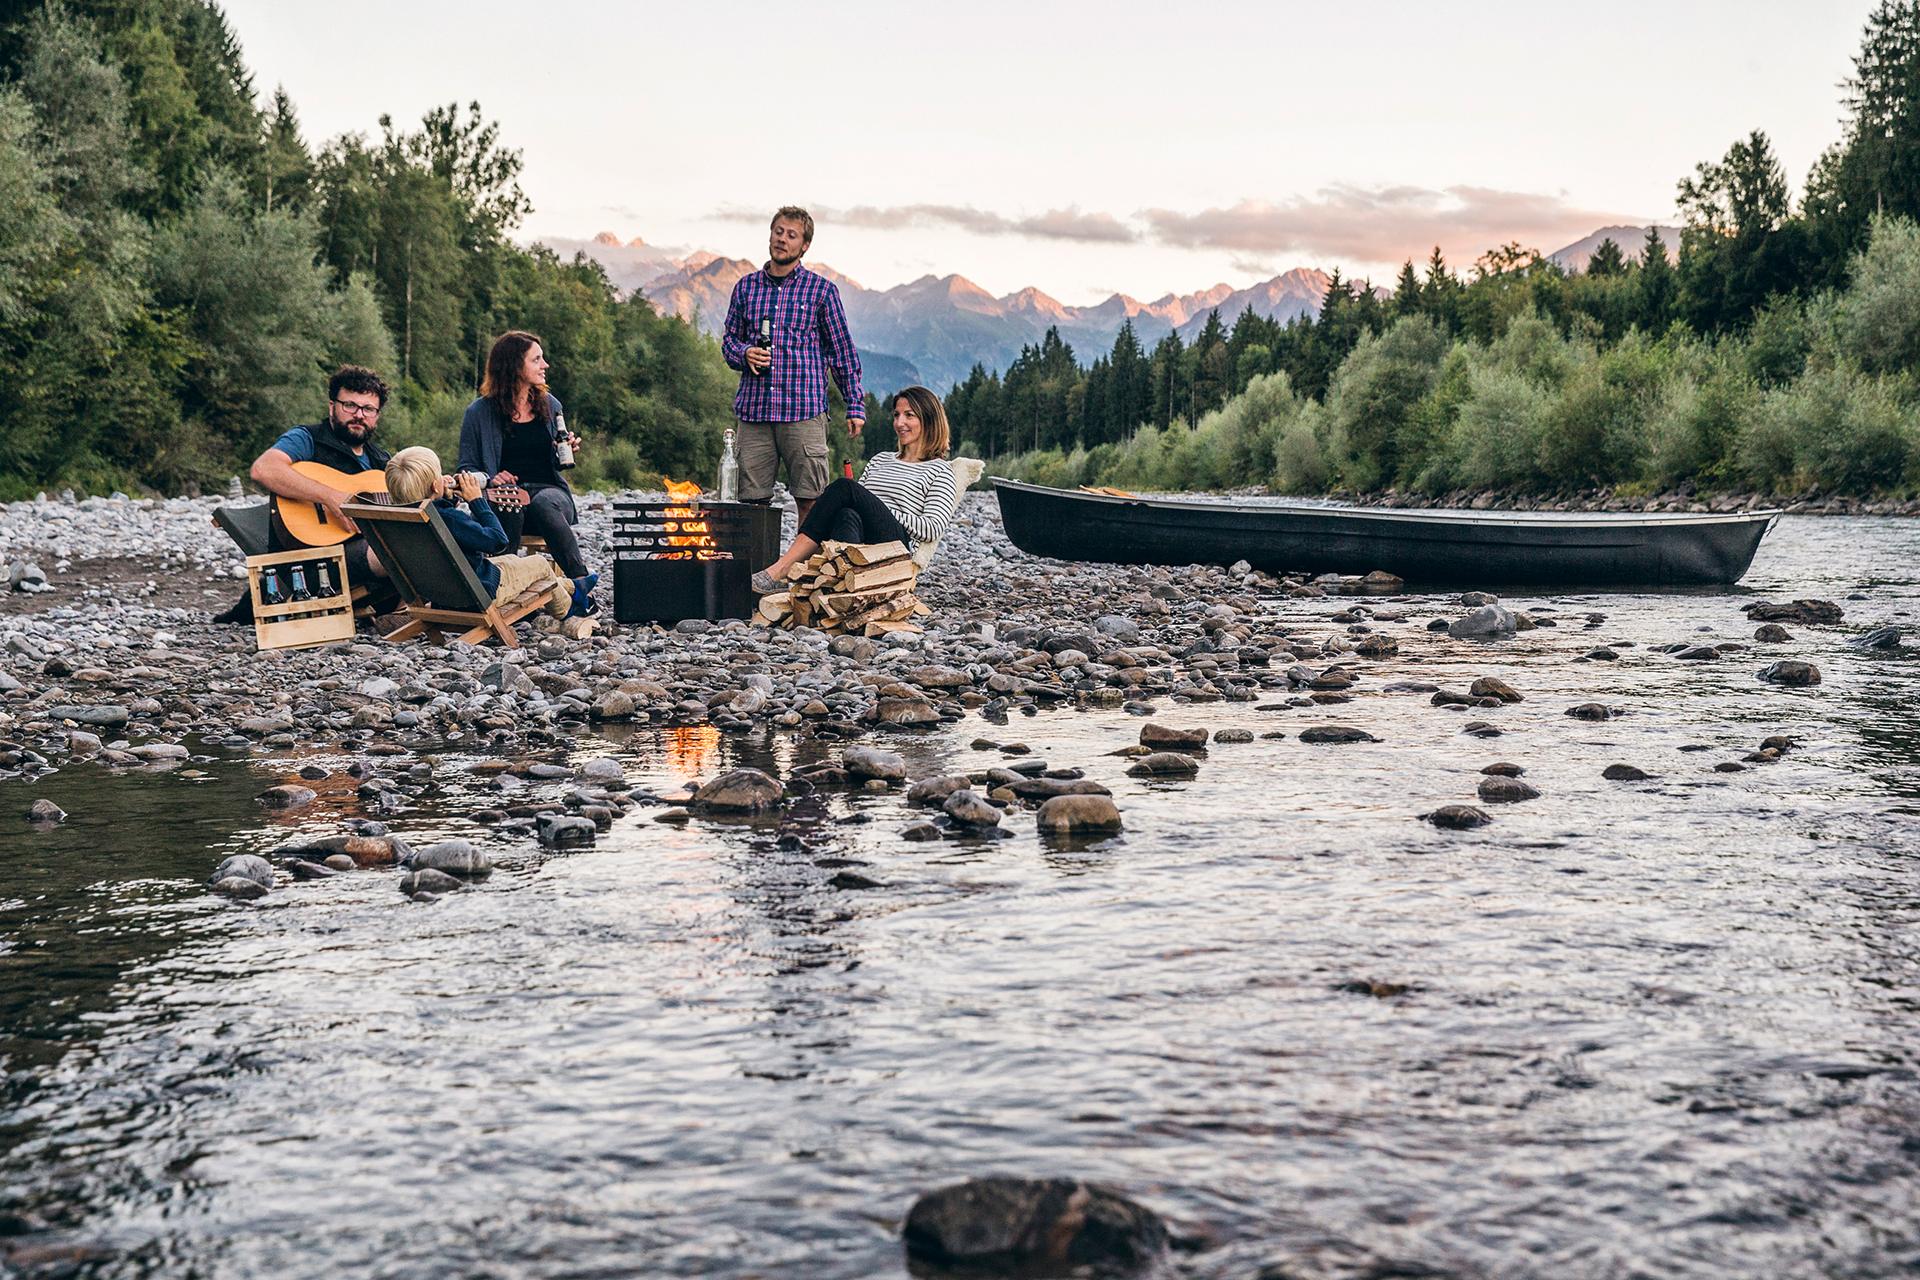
(412, 474)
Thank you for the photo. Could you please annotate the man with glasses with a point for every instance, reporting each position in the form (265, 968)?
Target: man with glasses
(344, 442)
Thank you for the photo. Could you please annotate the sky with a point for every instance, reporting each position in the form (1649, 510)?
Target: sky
(1085, 149)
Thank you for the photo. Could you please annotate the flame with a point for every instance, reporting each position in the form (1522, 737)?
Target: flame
(691, 526)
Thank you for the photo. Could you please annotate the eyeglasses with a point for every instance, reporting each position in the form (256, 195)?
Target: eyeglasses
(368, 411)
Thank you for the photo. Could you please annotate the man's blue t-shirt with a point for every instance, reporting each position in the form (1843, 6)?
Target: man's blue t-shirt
(297, 444)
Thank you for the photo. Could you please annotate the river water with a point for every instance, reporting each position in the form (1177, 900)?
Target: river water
(1662, 1028)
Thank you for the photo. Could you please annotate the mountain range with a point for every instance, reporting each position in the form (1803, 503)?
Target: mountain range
(935, 329)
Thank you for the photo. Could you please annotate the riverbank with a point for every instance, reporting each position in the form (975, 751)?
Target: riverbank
(1315, 1032)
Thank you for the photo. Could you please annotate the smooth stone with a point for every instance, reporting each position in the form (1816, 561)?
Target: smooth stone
(738, 791)
(247, 866)
(340, 862)
(82, 744)
(614, 706)
(1164, 738)
(108, 717)
(871, 762)
(1072, 813)
(968, 809)
(1480, 729)
(853, 880)
(1728, 766)
(1488, 687)
(1124, 630)
(1459, 817)
(311, 870)
(1487, 620)
(1504, 769)
(1697, 653)
(1624, 773)
(1010, 1224)
(458, 857)
(1501, 789)
(905, 711)
(1590, 711)
(1332, 733)
(312, 772)
(429, 880)
(371, 851)
(1159, 764)
(565, 828)
(1791, 673)
(1046, 788)
(286, 796)
(1772, 633)
(921, 832)
(239, 887)
(1477, 599)
(603, 769)
(936, 790)
(1234, 735)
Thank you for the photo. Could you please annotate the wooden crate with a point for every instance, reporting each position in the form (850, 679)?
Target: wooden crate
(326, 621)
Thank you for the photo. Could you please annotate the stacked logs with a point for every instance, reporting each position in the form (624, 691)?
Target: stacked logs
(849, 589)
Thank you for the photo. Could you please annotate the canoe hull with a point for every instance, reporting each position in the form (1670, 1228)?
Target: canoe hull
(1438, 547)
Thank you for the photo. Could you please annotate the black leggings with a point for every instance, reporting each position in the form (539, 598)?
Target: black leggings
(848, 512)
(546, 517)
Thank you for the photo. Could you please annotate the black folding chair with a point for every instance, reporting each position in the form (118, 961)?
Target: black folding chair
(432, 574)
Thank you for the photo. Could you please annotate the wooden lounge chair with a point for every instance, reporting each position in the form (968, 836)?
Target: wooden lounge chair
(440, 588)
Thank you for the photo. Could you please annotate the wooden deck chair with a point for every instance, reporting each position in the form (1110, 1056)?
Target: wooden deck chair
(439, 587)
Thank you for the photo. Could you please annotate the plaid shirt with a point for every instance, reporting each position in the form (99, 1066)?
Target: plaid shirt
(809, 338)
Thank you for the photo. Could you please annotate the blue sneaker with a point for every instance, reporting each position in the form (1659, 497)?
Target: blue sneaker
(583, 602)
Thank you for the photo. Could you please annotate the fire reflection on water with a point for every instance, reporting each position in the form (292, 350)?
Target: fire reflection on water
(690, 750)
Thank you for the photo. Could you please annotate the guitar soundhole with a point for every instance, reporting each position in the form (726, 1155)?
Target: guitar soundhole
(320, 513)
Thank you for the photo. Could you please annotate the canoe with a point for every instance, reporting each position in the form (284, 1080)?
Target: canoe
(1483, 548)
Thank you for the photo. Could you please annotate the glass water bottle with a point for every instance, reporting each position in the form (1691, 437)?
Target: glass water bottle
(729, 471)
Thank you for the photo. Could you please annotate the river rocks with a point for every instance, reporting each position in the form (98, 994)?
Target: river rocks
(1883, 638)
(969, 810)
(46, 811)
(105, 717)
(603, 771)
(1335, 733)
(1790, 672)
(938, 677)
(1477, 599)
(1591, 711)
(1045, 788)
(1624, 773)
(870, 762)
(1161, 738)
(1488, 687)
(1500, 789)
(1772, 633)
(904, 711)
(1009, 1224)
(1380, 582)
(455, 857)
(1160, 764)
(564, 828)
(1480, 729)
(286, 796)
(1377, 646)
(1071, 814)
(430, 880)
(1233, 736)
(303, 870)
(238, 887)
(749, 701)
(738, 791)
(1812, 612)
(1120, 630)
(935, 790)
(1489, 621)
(921, 832)
(1697, 653)
(249, 867)
(371, 851)
(614, 705)
(1779, 742)
(1503, 769)
(1458, 817)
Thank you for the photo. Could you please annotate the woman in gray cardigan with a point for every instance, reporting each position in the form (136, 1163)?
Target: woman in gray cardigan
(509, 434)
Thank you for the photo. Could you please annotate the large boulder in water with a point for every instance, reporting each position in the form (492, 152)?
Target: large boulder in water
(738, 791)
(871, 762)
(1484, 623)
(1021, 1224)
(455, 857)
(244, 866)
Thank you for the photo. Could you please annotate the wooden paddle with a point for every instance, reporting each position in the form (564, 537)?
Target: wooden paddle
(310, 524)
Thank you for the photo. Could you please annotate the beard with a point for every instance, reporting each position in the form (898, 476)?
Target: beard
(353, 433)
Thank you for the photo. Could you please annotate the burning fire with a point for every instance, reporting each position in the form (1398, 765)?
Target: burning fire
(691, 527)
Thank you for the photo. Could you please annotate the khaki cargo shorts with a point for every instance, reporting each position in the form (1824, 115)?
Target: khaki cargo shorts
(801, 445)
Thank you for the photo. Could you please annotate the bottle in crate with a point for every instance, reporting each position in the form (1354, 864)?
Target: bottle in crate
(271, 591)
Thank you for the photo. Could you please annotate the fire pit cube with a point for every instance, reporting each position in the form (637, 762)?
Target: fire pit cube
(679, 558)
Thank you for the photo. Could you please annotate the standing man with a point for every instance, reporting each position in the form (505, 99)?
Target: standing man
(785, 331)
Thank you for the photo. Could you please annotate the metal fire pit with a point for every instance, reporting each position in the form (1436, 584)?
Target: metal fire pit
(676, 559)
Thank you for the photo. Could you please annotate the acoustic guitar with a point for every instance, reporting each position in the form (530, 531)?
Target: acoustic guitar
(310, 524)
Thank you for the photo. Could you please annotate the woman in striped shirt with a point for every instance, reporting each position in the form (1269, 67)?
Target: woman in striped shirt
(909, 496)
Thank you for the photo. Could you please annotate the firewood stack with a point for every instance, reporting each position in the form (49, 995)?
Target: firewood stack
(849, 589)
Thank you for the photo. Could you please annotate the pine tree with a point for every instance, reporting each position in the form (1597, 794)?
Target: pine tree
(1607, 260)
(1406, 291)
(1656, 284)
